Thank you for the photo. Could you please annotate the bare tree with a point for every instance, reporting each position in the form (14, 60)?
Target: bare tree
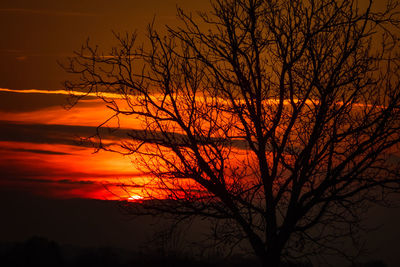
(280, 120)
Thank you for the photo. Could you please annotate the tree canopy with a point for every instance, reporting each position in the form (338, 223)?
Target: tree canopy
(280, 120)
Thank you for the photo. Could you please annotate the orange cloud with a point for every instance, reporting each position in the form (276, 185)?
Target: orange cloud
(40, 153)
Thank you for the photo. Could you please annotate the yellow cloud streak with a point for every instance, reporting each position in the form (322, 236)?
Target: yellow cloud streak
(61, 92)
(118, 96)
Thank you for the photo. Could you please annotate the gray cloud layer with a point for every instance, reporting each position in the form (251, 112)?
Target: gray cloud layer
(22, 102)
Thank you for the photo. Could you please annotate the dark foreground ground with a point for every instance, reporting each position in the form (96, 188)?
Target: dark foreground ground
(95, 229)
(39, 251)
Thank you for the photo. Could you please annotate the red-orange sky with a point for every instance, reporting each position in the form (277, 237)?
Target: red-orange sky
(39, 152)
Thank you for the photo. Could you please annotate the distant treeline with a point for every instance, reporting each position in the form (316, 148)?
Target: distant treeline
(39, 251)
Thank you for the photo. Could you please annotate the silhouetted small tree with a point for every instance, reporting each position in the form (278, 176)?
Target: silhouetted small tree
(279, 120)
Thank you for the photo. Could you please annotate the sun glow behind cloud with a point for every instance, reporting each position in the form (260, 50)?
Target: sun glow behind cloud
(41, 153)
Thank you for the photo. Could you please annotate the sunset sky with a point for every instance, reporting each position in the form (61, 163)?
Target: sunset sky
(40, 150)
(48, 179)
(39, 142)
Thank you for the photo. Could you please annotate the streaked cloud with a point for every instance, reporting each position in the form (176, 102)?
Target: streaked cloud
(60, 92)
(47, 12)
(14, 102)
(60, 170)
(40, 148)
(63, 181)
(39, 151)
(21, 58)
(43, 134)
(32, 53)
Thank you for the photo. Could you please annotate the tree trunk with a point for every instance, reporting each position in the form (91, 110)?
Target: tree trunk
(272, 258)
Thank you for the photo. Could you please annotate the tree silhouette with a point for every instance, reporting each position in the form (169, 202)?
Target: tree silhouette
(279, 120)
